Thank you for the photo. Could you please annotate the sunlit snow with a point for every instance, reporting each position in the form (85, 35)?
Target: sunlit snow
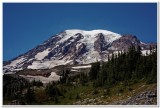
(44, 80)
(79, 67)
(41, 55)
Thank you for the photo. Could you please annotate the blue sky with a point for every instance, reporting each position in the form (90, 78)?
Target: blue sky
(25, 25)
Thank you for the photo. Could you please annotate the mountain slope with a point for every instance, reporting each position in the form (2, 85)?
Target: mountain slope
(74, 47)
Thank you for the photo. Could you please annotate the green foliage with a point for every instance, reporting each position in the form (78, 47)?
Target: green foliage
(36, 83)
(77, 96)
(70, 96)
(83, 78)
(126, 67)
(95, 67)
(30, 95)
(120, 88)
(65, 78)
(95, 92)
(13, 86)
(52, 90)
(106, 91)
(56, 99)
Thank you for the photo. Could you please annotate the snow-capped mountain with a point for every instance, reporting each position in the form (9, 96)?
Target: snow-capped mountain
(74, 47)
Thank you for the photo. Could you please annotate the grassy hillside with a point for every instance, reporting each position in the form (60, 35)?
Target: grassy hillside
(126, 79)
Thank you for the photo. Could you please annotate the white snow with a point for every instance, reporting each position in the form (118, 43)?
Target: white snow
(44, 80)
(78, 45)
(18, 69)
(9, 73)
(17, 62)
(41, 55)
(15, 65)
(144, 52)
(80, 67)
(92, 32)
(143, 43)
(142, 48)
(90, 56)
(47, 64)
(74, 70)
(54, 76)
(30, 59)
(112, 48)
(90, 36)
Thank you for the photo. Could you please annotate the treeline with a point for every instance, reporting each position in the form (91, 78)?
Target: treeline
(127, 67)
(18, 90)
(123, 69)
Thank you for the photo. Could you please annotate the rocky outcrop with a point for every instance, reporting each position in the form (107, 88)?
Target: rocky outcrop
(125, 42)
(100, 44)
(143, 98)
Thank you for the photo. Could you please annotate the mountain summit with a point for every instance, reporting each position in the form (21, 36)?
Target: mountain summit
(74, 47)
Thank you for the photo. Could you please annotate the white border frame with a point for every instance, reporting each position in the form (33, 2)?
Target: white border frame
(81, 1)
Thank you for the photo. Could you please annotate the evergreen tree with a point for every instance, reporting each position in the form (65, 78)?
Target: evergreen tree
(95, 68)
(30, 95)
(127, 67)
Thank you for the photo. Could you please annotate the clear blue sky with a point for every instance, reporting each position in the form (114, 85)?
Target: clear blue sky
(27, 25)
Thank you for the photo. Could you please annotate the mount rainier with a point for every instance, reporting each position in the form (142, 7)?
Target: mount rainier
(74, 47)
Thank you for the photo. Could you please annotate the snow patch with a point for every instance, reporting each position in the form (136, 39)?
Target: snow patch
(145, 51)
(73, 70)
(90, 56)
(47, 64)
(143, 43)
(80, 67)
(17, 62)
(44, 80)
(14, 65)
(54, 76)
(41, 55)
(78, 45)
(9, 73)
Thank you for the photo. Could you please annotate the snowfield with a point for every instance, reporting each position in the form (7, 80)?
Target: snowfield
(91, 36)
(17, 62)
(44, 80)
(15, 65)
(47, 64)
(80, 67)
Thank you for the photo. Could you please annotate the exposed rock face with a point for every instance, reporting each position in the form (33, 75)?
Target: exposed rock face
(81, 49)
(144, 98)
(125, 42)
(100, 44)
(47, 44)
